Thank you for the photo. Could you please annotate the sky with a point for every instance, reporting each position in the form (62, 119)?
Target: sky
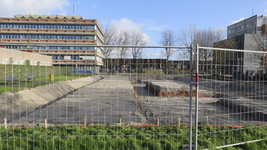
(148, 16)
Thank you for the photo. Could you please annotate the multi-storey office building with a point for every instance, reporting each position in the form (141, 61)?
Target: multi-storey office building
(73, 35)
(247, 34)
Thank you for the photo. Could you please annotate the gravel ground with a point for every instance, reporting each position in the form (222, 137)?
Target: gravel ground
(169, 109)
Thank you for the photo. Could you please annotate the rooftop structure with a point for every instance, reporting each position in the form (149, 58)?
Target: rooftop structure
(252, 25)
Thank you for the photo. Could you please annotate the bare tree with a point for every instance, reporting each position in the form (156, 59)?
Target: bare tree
(168, 38)
(137, 39)
(258, 43)
(204, 37)
(188, 36)
(109, 39)
(123, 38)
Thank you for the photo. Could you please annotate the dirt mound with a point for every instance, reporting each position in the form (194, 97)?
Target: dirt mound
(15, 104)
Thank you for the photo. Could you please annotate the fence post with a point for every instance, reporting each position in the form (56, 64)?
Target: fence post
(5, 123)
(190, 102)
(196, 99)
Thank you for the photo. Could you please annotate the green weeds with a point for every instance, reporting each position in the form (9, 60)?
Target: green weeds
(114, 137)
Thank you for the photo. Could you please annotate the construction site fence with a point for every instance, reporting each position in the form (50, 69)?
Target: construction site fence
(137, 86)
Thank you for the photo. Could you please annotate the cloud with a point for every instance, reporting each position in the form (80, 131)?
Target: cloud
(235, 21)
(128, 25)
(12, 7)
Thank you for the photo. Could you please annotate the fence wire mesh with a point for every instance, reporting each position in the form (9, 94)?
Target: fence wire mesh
(71, 97)
(231, 96)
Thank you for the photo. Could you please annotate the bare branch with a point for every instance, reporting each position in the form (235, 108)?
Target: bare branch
(110, 39)
(123, 38)
(168, 39)
(136, 38)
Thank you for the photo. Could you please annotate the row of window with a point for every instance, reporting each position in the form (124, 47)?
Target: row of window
(53, 47)
(25, 36)
(61, 57)
(99, 32)
(242, 27)
(99, 40)
(47, 26)
(74, 57)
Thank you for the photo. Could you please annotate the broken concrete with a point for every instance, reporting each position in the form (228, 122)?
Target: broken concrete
(172, 88)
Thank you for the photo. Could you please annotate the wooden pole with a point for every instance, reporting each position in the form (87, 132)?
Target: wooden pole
(120, 122)
(5, 123)
(178, 123)
(158, 121)
(84, 123)
(207, 120)
(45, 124)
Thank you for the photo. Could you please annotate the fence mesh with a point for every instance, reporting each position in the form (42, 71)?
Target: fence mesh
(126, 102)
(232, 95)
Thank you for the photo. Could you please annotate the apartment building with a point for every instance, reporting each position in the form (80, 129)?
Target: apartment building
(68, 39)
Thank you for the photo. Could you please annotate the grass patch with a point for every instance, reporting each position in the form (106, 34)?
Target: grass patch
(20, 85)
(116, 137)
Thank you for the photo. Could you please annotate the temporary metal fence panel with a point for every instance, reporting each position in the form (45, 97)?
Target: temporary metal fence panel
(231, 97)
(93, 103)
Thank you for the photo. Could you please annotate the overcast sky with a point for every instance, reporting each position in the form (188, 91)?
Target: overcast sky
(149, 16)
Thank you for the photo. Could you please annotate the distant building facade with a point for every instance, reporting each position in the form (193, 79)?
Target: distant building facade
(246, 33)
(252, 25)
(149, 63)
(51, 30)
